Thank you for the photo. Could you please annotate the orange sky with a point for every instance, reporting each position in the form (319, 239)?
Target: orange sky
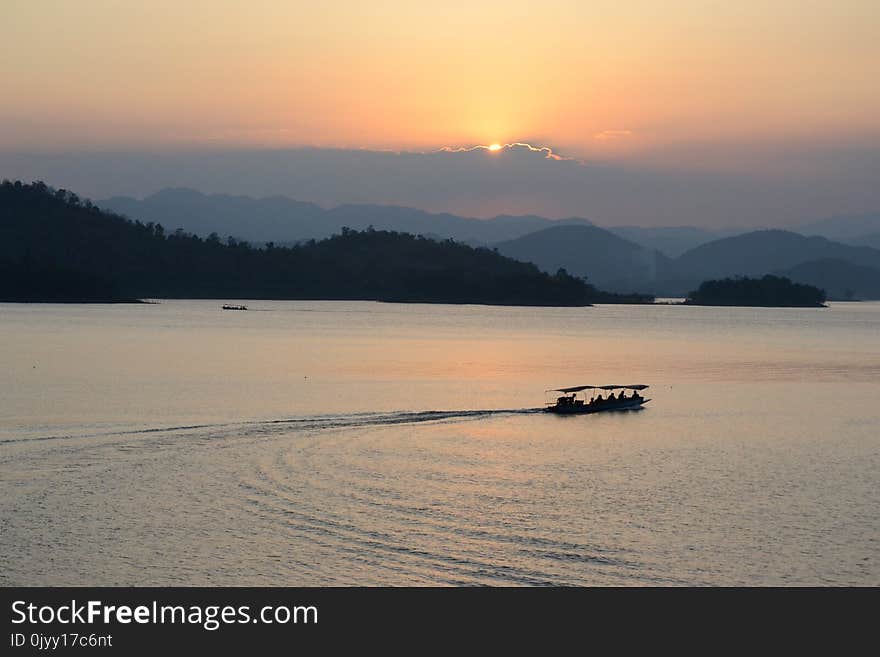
(601, 78)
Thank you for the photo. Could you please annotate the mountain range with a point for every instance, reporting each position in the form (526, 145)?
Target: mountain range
(281, 219)
(838, 254)
(671, 241)
(858, 229)
(777, 251)
(55, 247)
(840, 279)
(597, 254)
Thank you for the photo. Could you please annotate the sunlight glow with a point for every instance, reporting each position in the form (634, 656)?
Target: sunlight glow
(494, 148)
(690, 74)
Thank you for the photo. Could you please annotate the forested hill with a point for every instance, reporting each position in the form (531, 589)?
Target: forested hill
(765, 291)
(56, 247)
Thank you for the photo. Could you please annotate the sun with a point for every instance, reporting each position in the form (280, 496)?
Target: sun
(495, 147)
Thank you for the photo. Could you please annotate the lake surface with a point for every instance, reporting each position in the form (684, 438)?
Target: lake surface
(358, 443)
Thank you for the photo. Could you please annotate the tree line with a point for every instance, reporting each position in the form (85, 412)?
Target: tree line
(55, 246)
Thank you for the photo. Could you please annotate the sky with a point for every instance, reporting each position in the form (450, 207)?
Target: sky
(779, 98)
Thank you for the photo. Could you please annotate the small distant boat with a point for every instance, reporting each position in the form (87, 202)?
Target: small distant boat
(230, 306)
(575, 400)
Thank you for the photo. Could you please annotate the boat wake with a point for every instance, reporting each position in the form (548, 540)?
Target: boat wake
(303, 423)
(399, 417)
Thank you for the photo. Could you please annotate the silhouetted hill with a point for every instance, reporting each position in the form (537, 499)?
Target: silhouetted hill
(755, 254)
(53, 241)
(607, 260)
(283, 220)
(773, 291)
(872, 240)
(671, 241)
(274, 218)
(840, 279)
(844, 228)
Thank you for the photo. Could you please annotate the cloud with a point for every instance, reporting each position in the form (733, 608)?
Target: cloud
(519, 179)
(545, 151)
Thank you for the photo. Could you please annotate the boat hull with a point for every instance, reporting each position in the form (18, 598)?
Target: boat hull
(626, 405)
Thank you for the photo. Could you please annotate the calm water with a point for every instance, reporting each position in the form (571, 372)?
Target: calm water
(307, 443)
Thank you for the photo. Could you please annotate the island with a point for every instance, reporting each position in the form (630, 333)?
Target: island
(55, 246)
(767, 291)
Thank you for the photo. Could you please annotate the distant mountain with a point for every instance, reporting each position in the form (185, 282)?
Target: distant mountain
(607, 260)
(840, 279)
(56, 247)
(620, 259)
(755, 254)
(844, 228)
(872, 240)
(283, 220)
(671, 241)
(275, 218)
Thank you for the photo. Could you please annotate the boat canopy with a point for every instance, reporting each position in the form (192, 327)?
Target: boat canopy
(636, 386)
